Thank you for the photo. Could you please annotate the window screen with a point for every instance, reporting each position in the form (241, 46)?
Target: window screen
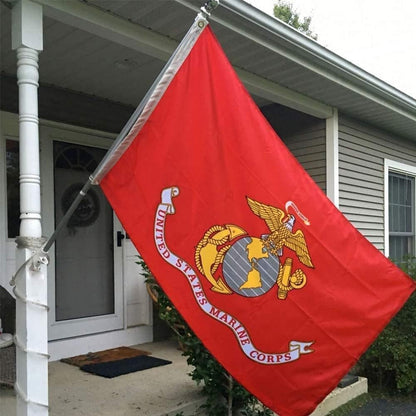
(401, 216)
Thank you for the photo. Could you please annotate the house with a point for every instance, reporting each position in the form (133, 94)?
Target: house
(353, 133)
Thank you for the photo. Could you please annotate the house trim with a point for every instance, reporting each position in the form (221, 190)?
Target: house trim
(109, 26)
(9, 130)
(276, 93)
(310, 54)
(3, 211)
(332, 158)
(10, 121)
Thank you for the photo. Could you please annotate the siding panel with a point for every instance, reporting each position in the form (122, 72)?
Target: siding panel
(362, 151)
(305, 136)
(309, 148)
(368, 173)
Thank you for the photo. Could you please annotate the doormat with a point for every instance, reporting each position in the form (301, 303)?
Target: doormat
(113, 354)
(117, 368)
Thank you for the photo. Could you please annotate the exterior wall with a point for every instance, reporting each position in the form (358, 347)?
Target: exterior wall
(304, 135)
(308, 146)
(362, 151)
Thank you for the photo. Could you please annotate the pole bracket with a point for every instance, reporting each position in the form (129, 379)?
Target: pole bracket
(39, 258)
(209, 7)
(35, 244)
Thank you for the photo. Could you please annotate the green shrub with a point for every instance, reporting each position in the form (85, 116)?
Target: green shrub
(390, 362)
(224, 396)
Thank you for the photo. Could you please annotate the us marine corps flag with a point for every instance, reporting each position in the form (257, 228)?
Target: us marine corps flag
(272, 278)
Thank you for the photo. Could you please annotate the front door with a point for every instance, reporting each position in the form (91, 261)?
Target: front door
(85, 270)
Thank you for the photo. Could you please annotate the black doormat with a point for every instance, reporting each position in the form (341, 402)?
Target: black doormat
(117, 368)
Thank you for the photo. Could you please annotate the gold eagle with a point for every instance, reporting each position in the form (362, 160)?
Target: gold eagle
(281, 233)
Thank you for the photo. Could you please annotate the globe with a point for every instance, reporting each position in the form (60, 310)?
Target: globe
(249, 269)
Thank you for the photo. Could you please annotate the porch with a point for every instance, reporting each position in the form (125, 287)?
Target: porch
(160, 391)
(165, 390)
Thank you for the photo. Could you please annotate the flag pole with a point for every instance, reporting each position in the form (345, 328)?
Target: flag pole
(140, 115)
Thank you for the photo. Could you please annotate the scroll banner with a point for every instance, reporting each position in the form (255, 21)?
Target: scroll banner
(296, 348)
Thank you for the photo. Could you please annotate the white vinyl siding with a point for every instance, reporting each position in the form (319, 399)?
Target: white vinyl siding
(304, 135)
(309, 148)
(362, 152)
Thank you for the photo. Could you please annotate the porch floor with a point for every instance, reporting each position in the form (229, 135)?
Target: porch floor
(159, 391)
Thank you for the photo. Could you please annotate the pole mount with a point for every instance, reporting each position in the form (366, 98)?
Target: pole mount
(209, 7)
(39, 258)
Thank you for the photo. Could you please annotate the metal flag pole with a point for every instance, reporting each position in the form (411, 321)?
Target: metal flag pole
(140, 115)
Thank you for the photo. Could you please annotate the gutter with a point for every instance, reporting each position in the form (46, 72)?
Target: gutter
(318, 52)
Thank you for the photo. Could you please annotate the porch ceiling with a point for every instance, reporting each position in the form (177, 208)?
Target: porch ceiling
(114, 49)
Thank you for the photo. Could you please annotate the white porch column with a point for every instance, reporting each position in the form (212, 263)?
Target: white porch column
(332, 158)
(31, 285)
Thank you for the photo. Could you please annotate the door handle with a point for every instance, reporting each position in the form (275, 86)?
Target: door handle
(120, 238)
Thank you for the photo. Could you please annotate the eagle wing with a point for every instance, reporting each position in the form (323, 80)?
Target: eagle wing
(272, 215)
(297, 243)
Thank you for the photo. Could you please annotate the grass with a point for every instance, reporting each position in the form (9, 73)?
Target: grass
(362, 400)
(345, 409)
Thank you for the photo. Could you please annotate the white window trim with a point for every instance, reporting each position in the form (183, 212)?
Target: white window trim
(397, 167)
(332, 158)
(3, 213)
(9, 130)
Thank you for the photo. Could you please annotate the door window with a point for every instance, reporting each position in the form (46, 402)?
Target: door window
(84, 249)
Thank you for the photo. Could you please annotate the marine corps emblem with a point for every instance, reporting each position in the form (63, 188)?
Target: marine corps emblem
(250, 266)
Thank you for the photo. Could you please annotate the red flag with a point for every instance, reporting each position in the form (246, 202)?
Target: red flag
(272, 278)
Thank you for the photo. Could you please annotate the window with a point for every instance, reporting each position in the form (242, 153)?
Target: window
(401, 211)
(13, 193)
(401, 215)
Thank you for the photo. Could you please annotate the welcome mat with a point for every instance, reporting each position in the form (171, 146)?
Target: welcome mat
(117, 368)
(112, 354)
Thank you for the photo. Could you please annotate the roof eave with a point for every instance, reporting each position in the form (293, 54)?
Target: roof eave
(329, 64)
